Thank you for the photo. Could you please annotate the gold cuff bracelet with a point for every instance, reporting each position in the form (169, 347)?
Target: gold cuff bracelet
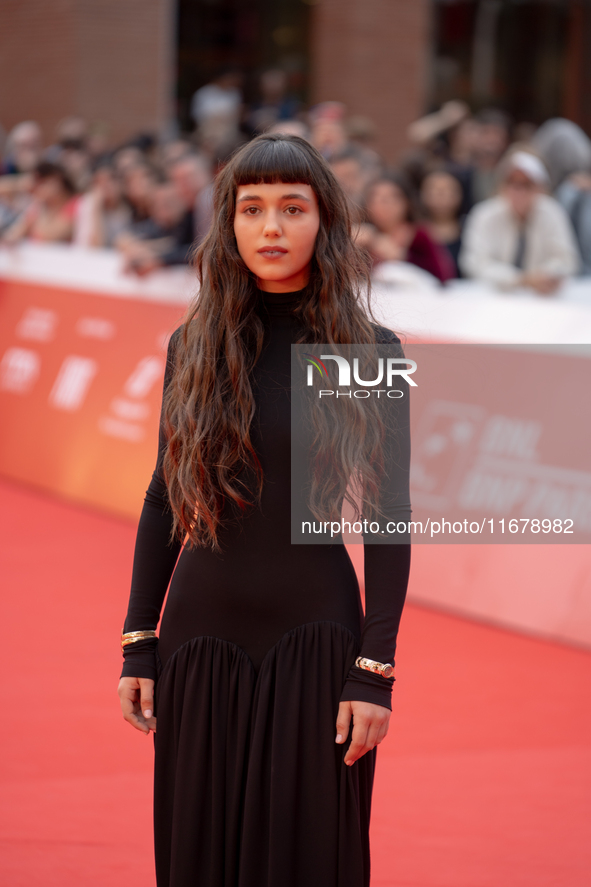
(385, 669)
(130, 637)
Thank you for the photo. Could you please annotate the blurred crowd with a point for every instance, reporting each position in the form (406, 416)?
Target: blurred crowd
(476, 195)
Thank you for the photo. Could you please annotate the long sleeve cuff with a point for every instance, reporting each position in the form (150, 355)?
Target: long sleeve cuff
(366, 686)
(140, 660)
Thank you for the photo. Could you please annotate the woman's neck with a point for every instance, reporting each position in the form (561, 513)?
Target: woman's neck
(281, 304)
(55, 204)
(293, 284)
(395, 228)
(446, 229)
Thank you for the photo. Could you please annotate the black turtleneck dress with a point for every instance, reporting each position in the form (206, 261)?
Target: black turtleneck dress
(256, 648)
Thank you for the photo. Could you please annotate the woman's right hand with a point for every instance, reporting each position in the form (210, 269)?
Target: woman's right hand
(137, 703)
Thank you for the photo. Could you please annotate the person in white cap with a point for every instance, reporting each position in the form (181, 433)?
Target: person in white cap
(522, 237)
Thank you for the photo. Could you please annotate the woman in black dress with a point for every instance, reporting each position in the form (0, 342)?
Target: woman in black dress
(268, 721)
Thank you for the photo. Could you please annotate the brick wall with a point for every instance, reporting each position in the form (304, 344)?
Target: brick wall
(108, 60)
(372, 55)
(112, 60)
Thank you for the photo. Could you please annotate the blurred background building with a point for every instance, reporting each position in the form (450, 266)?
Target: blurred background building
(134, 65)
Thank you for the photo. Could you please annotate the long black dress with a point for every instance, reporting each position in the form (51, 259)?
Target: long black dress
(256, 648)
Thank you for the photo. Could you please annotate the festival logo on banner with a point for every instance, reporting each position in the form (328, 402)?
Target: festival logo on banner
(80, 392)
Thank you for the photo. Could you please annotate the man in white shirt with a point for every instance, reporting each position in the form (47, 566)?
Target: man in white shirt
(521, 237)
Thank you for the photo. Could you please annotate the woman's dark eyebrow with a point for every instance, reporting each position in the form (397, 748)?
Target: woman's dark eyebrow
(295, 197)
(284, 197)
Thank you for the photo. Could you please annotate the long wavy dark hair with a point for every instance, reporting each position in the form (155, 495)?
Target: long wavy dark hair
(209, 404)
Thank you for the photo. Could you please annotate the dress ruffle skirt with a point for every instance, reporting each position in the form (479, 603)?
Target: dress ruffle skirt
(250, 788)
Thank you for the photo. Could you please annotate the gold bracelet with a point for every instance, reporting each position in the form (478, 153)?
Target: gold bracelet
(130, 637)
(385, 669)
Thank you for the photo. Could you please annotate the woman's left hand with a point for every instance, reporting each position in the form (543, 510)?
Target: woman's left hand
(370, 725)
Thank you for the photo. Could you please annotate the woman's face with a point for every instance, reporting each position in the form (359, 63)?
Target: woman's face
(50, 192)
(276, 227)
(441, 195)
(387, 206)
(108, 185)
(139, 185)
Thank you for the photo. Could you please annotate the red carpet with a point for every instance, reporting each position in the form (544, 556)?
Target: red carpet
(483, 781)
